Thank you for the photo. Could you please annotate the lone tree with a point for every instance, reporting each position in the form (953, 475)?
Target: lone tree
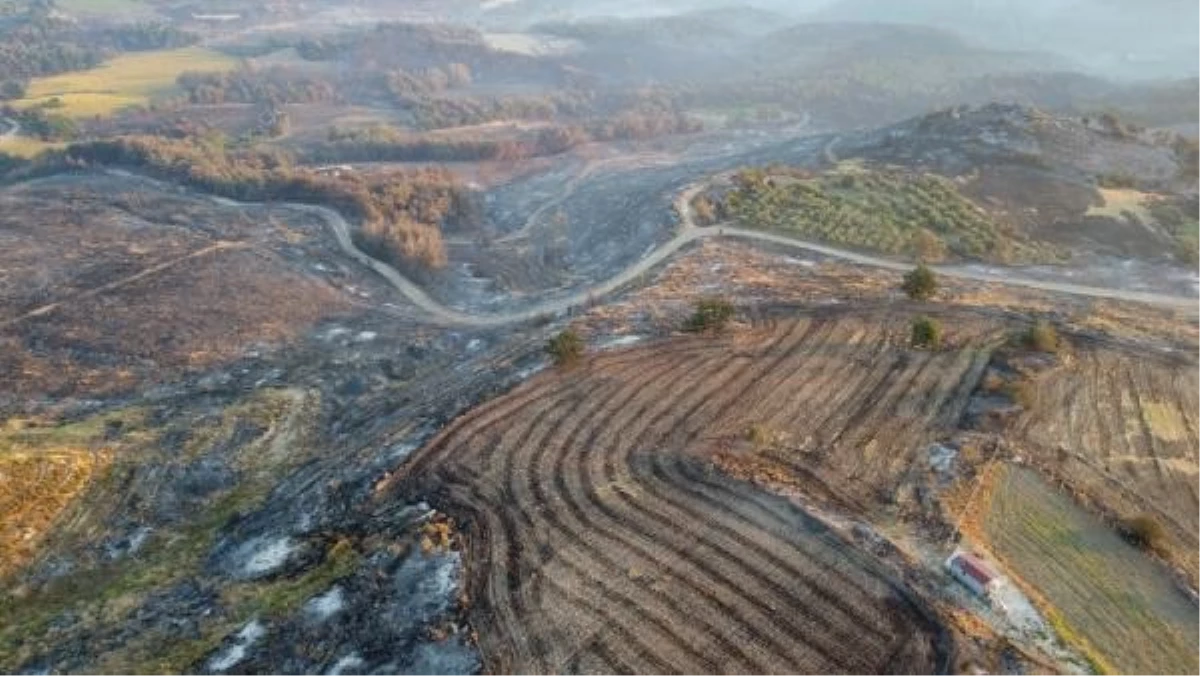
(1146, 532)
(926, 332)
(920, 283)
(566, 349)
(1042, 337)
(712, 314)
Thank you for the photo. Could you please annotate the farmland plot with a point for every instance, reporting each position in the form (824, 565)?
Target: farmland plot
(598, 541)
(1126, 426)
(1124, 605)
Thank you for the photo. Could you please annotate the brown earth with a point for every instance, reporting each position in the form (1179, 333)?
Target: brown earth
(109, 287)
(599, 538)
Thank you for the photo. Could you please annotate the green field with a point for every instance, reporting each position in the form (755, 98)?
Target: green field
(128, 80)
(1108, 596)
(895, 212)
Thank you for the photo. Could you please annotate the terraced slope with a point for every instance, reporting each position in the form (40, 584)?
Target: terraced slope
(598, 540)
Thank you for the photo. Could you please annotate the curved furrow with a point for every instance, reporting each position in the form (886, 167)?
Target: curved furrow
(735, 532)
(725, 521)
(743, 531)
(759, 507)
(766, 391)
(506, 646)
(766, 361)
(834, 555)
(526, 496)
(571, 521)
(469, 424)
(718, 579)
(816, 397)
(499, 409)
(666, 532)
(629, 537)
(869, 424)
(842, 613)
(893, 426)
(753, 559)
(630, 642)
(650, 652)
(516, 553)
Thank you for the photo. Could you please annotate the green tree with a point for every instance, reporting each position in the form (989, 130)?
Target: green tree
(1146, 532)
(926, 333)
(920, 283)
(566, 348)
(1042, 337)
(712, 314)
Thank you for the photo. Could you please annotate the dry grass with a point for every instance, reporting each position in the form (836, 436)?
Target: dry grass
(43, 469)
(128, 80)
(1117, 201)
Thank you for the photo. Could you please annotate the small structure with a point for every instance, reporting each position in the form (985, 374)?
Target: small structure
(974, 573)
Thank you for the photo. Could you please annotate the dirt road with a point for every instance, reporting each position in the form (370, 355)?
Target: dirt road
(688, 233)
(111, 286)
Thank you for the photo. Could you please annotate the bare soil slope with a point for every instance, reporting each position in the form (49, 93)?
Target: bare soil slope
(598, 541)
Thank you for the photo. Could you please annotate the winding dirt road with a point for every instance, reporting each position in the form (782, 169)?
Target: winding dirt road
(688, 232)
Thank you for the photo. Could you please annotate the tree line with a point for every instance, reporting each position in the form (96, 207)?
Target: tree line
(400, 213)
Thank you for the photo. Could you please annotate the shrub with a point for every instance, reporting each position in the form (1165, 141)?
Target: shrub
(1022, 393)
(920, 283)
(566, 349)
(926, 332)
(1042, 337)
(712, 314)
(1146, 532)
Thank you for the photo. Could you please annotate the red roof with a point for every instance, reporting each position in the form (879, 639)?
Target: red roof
(976, 569)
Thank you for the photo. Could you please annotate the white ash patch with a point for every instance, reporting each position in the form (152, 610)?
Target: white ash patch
(326, 605)
(351, 661)
(268, 557)
(247, 637)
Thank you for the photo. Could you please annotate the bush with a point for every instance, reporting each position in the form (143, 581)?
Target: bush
(1146, 532)
(712, 314)
(566, 349)
(920, 283)
(1022, 393)
(926, 332)
(1042, 337)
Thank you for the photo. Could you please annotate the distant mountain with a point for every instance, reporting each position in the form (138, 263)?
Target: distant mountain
(1113, 38)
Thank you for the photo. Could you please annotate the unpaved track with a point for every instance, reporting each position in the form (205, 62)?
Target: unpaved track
(112, 286)
(598, 542)
(688, 233)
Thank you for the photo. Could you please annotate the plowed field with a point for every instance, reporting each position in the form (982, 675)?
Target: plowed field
(599, 539)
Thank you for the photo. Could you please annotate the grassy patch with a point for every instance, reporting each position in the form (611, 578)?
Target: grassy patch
(919, 215)
(1118, 607)
(128, 80)
(104, 593)
(1164, 421)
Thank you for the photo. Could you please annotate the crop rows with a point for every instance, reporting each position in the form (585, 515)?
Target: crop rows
(598, 540)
